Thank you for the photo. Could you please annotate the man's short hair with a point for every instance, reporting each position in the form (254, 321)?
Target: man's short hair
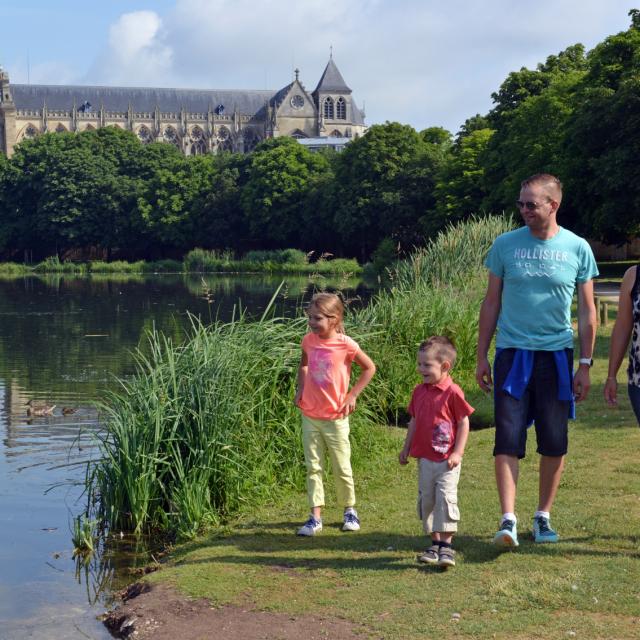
(546, 180)
(441, 348)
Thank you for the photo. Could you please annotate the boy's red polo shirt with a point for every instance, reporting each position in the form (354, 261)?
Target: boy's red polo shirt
(437, 410)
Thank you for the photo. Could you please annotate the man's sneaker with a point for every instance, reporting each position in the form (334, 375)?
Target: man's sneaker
(310, 527)
(507, 537)
(430, 556)
(351, 522)
(542, 531)
(446, 557)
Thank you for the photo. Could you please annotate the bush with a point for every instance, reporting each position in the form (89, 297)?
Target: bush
(52, 264)
(277, 256)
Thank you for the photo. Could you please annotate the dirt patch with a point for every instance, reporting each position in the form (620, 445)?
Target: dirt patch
(161, 613)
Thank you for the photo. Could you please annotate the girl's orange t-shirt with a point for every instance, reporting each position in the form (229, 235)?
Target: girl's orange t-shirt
(328, 373)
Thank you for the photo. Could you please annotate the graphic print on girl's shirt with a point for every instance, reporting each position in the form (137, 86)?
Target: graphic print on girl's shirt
(320, 367)
(442, 437)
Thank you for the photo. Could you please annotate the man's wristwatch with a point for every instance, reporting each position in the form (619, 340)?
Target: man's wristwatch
(587, 361)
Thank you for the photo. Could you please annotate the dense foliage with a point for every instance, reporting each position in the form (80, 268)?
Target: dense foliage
(576, 115)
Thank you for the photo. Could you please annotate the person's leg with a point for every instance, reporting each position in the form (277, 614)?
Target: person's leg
(446, 513)
(336, 437)
(425, 504)
(510, 445)
(552, 416)
(507, 470)
(314, 450)
(550, 475)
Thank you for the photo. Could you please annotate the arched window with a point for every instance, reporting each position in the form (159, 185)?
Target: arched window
(297, 134)
(199, 145)
(335, 134)
(251, 139)
(341, 109)
(198, 148)
(171, 135)
(328, 108)
(30, 131)
(225, 142)
(89, 127)
(144, 135)
(61, 129)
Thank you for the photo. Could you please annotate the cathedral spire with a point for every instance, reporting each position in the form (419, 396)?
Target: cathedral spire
(332, 80)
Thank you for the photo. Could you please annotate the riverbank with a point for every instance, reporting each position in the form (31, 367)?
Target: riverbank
(369, 584)
(276, 262)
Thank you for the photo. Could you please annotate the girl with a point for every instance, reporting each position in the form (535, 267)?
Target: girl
(325, 400)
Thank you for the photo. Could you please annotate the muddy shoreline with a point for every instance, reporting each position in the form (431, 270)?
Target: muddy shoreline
(160, 612)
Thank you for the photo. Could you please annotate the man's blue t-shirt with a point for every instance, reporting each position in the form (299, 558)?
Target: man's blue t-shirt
(539, 279)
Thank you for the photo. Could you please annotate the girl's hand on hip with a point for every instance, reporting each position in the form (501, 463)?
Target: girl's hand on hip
(348, 405)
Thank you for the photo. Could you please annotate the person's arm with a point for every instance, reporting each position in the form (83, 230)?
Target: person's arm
(302, 374)
(404, 454)
(462, 434)
(489, 312)
(586, 338)
(620, 335)
(368, 369)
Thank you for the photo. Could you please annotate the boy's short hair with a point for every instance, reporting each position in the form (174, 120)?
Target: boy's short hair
(441, 348)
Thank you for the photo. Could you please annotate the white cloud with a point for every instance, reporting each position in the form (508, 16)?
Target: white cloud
(136, 53)
(418, 61)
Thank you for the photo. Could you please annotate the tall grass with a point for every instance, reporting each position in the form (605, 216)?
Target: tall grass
(52, 264)
(13, 269)
(436, 291)
(209, 425)
(274, 261)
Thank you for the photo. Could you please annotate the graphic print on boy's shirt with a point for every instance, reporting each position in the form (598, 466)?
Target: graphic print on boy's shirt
(442, 437)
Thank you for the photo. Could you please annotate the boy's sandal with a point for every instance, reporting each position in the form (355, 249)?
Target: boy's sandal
(430, 556)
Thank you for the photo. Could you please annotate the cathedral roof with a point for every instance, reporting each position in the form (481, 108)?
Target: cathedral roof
(62, 97)
(332, 79)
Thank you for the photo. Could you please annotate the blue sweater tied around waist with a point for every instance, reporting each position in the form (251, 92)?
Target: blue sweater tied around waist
(520, 373)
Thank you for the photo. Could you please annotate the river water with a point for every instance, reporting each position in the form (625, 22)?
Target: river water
(63, 342)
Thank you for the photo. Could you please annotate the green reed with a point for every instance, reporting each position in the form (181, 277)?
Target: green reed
(208, 426)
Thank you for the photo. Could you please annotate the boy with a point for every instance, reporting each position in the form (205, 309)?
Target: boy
(437, 435)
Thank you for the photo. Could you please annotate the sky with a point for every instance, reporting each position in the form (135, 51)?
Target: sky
(419, 62)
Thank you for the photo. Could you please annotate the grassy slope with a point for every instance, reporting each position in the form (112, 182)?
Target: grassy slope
(587, 585)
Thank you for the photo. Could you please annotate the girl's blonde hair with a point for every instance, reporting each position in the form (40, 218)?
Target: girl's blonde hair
(330, 305)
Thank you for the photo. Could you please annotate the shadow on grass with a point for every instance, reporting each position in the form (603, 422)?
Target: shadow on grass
(271, 547)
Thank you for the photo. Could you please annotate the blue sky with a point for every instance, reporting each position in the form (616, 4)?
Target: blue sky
(420, 62)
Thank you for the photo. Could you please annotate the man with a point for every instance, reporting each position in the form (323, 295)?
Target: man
(533, 273)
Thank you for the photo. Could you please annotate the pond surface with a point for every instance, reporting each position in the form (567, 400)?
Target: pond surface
(63, 341)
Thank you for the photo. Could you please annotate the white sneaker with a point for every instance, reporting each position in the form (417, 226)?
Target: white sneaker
(351, 522)
(310, 527)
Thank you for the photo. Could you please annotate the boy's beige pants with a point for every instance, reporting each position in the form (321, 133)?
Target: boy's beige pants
(318, 437)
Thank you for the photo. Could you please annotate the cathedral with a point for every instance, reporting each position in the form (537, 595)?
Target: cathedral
(196, 121)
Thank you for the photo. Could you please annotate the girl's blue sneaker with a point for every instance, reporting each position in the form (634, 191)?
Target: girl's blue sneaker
(542, 531)
(310, 527)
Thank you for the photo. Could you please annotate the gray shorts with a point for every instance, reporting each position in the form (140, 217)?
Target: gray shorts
(438, 496)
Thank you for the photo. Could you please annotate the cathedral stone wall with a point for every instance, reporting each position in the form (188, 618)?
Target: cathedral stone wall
(195, 121)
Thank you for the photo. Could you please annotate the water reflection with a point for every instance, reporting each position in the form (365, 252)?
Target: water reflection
(63, 341)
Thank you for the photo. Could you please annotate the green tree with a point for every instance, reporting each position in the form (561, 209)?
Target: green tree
(280, 175)
(603, 173)
(384, 185)
(460, 188)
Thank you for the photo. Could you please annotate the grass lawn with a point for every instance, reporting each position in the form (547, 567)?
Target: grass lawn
(586, 586)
